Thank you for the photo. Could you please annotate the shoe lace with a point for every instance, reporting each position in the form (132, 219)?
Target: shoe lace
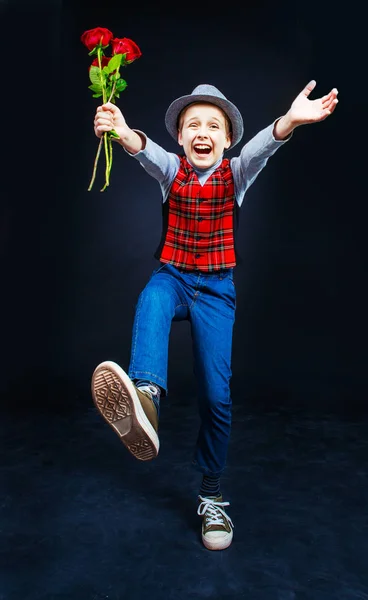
(213, 511)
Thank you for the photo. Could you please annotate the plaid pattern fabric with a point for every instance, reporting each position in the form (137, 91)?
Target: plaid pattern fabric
(199, 228)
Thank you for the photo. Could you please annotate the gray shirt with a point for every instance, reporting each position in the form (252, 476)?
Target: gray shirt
(163, 165)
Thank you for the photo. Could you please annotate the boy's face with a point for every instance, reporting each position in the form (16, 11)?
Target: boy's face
(204, 134)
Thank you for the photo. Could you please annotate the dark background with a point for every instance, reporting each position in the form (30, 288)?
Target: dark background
(74, 262)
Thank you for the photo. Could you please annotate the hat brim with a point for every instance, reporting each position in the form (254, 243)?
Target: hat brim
(175, 108)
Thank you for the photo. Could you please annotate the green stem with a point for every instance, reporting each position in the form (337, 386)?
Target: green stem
(110, 141)
(107, 169)
(106, 139)
(112, 91)
(99, 54)
(110, 146)
(107, 162)
(95, 165)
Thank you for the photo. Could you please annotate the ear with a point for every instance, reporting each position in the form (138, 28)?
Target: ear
(228, 141)
(180, 139)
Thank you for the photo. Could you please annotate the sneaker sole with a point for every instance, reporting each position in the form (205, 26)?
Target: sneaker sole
(116, 399)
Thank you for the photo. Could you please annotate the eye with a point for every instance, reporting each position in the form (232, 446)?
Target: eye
(214, 126)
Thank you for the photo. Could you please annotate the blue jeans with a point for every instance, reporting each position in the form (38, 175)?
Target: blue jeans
(208, 302)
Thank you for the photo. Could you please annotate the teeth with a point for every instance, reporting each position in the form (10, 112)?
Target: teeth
(202, 147)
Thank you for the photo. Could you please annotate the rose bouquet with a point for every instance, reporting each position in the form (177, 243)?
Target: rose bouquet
(106, 81)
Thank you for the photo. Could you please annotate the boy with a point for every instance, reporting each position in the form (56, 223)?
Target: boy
(202, 193)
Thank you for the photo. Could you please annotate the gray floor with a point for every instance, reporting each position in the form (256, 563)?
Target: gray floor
(82, 519)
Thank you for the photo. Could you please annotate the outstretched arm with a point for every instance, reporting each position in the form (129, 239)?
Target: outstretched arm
(303, 111)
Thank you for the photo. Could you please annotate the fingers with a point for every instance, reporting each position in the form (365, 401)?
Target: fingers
(104, 114)
(105, 123)
(101, 128)
(104, 120)
(106, 108)
(309, 88)
(331, 107)
(110, 106)
(330, 96)
(105, 111)
(328, 109)
(330, 101)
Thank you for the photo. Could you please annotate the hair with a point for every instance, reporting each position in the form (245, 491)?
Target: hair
(229, 128)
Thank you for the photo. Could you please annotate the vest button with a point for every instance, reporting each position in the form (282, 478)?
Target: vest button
(200, 219)
(197, 256)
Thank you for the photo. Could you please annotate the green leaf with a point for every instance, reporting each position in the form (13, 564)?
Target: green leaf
(123, 60)
(95, 76)
(113, 134)
(96, 95)
(95, 88)
(114, 62)
(121, 84)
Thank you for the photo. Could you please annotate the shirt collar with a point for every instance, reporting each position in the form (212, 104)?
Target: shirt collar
(208, 170)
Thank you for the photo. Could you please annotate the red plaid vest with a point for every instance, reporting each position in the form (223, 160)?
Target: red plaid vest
(198, 221)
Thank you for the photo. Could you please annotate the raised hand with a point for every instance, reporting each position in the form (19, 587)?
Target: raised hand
(303, 110)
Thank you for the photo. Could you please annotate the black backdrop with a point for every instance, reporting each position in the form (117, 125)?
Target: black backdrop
(74, 262)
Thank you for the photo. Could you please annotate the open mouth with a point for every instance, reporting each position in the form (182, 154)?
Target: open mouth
(202, 149)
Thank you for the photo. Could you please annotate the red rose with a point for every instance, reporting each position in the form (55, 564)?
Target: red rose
(104, 62)
(93, 37)
(126, 46)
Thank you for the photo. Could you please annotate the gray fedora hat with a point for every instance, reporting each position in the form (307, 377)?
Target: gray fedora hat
(205, 93)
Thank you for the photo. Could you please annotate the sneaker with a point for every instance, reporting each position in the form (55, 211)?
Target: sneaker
(217, 527)
(129, 410)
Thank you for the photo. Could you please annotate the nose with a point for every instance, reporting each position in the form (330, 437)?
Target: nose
(202, 133)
